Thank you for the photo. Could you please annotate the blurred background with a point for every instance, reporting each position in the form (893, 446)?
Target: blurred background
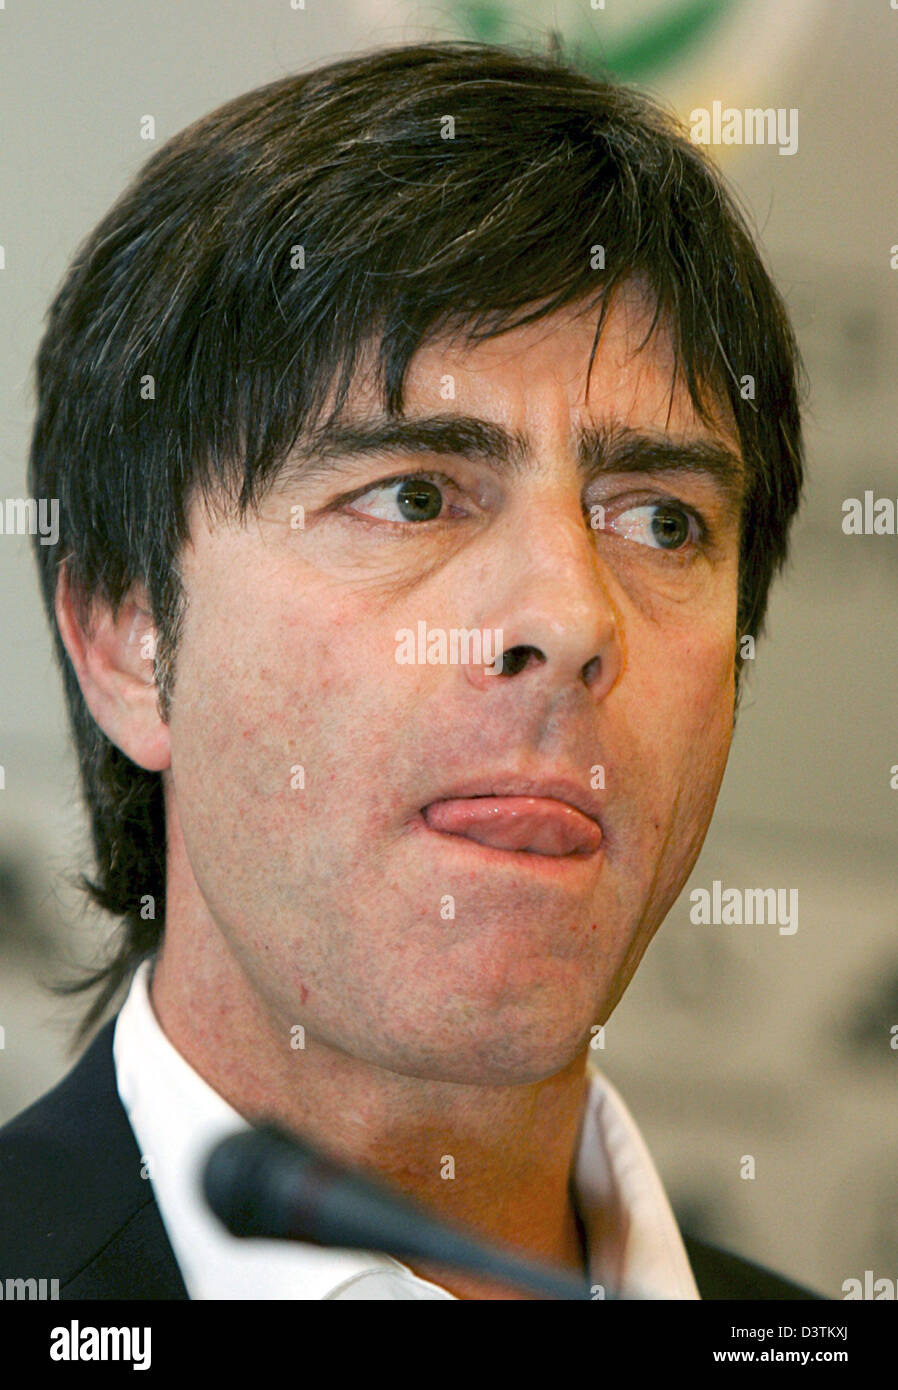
(732, 1040)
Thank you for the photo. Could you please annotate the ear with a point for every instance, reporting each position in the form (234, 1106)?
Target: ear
(113, 661)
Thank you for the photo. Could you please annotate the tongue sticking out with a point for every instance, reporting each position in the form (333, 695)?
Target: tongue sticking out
(536, 824)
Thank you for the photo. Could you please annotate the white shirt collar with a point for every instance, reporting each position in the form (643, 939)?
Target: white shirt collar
(177, 1117)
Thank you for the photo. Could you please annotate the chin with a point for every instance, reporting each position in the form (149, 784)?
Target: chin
(496, 1071)
(512, 1057)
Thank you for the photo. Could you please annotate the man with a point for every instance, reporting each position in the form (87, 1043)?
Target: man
(439, 341)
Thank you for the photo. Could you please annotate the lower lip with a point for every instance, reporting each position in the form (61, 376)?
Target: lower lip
(563, 866)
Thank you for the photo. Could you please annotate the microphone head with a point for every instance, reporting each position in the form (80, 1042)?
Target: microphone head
(241, 1180)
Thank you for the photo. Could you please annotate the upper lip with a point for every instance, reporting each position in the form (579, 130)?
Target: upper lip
(565, 789)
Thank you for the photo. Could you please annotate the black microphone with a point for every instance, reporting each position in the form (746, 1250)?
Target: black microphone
(264, 1183)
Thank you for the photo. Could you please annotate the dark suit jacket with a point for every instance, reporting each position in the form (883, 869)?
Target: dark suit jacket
(74, 1206)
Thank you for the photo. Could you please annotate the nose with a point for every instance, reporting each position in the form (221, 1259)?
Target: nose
(554, 611)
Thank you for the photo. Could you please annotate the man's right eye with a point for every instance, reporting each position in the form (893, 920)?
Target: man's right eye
(412, 497)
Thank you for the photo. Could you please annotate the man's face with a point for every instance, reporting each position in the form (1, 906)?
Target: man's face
(420, 951)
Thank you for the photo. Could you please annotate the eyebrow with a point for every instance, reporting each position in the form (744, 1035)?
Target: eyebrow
(608, 448)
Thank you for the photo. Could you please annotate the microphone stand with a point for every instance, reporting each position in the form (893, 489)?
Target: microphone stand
(263, 1183)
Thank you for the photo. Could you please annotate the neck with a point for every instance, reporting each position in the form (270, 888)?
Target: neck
(497, 1159)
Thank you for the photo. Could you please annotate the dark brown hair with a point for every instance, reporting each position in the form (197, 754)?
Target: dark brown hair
(193, 278)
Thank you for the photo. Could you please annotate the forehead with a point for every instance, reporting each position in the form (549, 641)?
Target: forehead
(528, 392)
(537, 378)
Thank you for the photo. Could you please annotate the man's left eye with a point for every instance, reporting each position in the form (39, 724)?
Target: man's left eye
(660, 525)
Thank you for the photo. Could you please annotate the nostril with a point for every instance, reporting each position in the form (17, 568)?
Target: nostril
(592, 669)
(517, 658)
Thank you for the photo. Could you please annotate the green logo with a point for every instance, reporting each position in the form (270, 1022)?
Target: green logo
(611, 42)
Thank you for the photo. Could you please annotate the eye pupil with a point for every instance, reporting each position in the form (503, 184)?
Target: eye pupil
(417, 495)
(670, 528)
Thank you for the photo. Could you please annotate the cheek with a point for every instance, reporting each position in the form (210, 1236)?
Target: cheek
(678, 714)
(691, 677)
(681, 705)
(232, 750)
(693, 651)
(709, 679)
(709, 697)
(275, 713)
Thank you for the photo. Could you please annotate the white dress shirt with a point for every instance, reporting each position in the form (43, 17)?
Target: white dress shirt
(632, 1237)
